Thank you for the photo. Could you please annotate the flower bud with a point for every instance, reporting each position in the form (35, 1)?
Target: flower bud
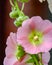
(14, 14)
(19, 20)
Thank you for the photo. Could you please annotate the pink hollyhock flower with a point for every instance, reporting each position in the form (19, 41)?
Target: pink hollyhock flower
(13, 61)
(11, 50)
(45, 59)
(35, 35)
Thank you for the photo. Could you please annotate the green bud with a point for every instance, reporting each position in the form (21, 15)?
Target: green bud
(20, 52)
(19, 20)
(14, 14)
(17, 23)
(23, 1)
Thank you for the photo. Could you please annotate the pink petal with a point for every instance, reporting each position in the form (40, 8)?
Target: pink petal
(9, 61)
(22, 33)
(28, 24)
(19, 63)
(10, 51)
(46, 45)
(46, 57)
(33, 19)
(28, 47)
(11, 41)
(41, 24)
(31, 23)
(48, 33)
(45, 64)
(47, 42)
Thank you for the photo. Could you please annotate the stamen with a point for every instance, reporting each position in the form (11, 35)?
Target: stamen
(35, 37)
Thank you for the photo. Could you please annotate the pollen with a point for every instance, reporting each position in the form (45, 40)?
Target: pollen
(36, 38)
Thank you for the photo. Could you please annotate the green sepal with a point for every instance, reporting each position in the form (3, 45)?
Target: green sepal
(23, 1)
(19, 20)
(20, 52)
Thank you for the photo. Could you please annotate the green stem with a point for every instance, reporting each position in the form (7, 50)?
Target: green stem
(16, 5)
(40, 58)
(11, 3)
(35, 59)
(22, 6)
(19, 11)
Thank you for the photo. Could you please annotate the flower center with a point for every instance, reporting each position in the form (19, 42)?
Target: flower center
(35, 37)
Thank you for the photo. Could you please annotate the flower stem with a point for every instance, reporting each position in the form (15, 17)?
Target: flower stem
(35, 60)
(40, 58)
(11, 3)
(22, 6)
